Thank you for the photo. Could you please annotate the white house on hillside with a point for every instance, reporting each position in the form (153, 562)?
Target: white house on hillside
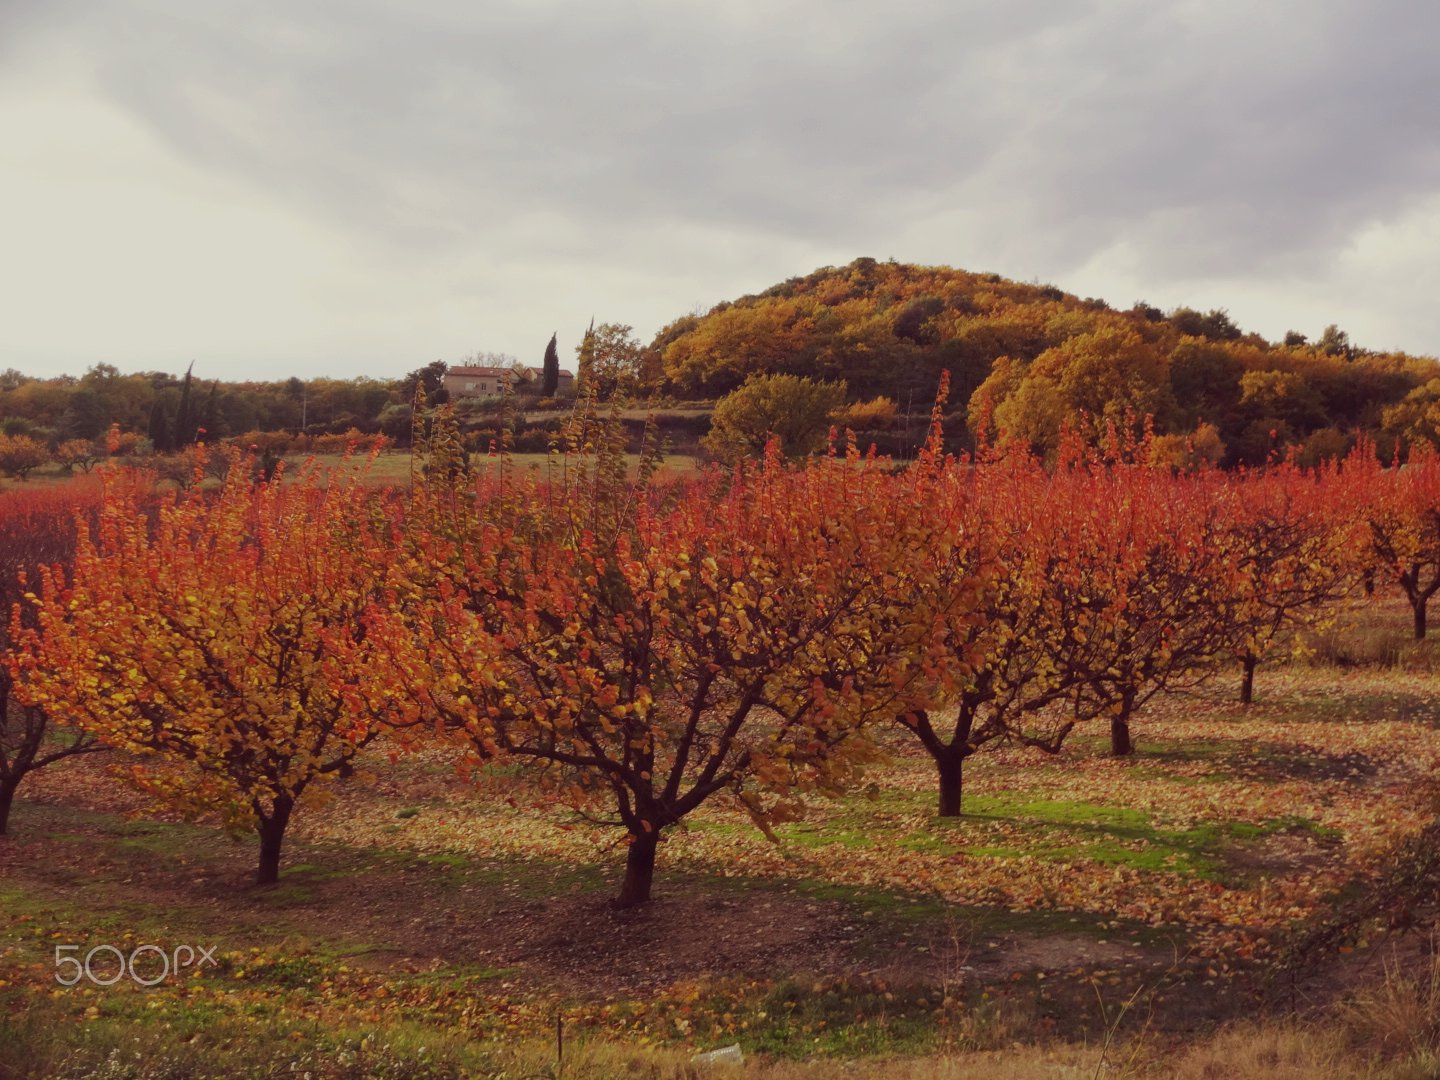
(464, 381)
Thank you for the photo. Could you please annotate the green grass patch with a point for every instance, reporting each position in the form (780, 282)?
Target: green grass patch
(1013, 825)
(526, 879)
(824, 834)
(285, 894)
(896, 904)
(1065, 831)
(445, 860)
(1058, 812)
(799, 1018)
(1192, 750)
(175, 1044)
(313, 872)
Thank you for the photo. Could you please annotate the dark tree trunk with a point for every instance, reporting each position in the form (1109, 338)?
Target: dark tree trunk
(272, 838)
(1247, 678)
(7, 797)
(1120, 744)
(951, 765)
(639, 869)
(1418, 597)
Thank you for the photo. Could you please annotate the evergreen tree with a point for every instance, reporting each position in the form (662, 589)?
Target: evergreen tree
(431, 379)
(162, 437)
(550, 380)
(585, 367)
(184, 420)
(209, 417)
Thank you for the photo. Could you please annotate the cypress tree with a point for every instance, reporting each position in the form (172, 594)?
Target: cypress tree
(184, 421)
(550, 380)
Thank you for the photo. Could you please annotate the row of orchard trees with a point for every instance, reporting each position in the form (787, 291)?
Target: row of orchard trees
(20, 455)
(648, 645)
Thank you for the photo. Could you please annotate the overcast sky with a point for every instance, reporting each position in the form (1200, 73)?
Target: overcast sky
(358, 187)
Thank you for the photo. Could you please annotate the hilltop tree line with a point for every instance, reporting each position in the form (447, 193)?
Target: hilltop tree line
(1029, 360)
(173, 411)
(1026, 361)
(646, 646)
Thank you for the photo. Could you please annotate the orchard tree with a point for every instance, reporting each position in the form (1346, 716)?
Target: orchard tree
(1092, 584)
(997, 630)
(648, 648)
(1293, 539)
(1141, 585)
(37, 529)
(84, 453)
(994, 677)
(1401, 512)
(20, 455)
(216, 638)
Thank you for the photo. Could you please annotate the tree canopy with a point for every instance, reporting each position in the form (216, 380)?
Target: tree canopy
(1027, 360)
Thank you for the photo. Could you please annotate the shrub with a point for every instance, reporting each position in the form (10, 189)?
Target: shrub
(19, 454)
(794, 410)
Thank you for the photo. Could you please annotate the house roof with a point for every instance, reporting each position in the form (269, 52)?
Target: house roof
(488, 372)
(470, 372)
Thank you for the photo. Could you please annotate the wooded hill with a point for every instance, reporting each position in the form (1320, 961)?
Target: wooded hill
(1025, 358)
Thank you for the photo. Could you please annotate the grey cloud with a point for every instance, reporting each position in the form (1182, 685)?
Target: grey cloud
(1257, 141)
(622, 112)
(1208, 137)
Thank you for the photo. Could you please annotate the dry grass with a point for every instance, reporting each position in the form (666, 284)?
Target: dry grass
(1401, 1013)
(1373, 632)
(1280, 1052)
(1389, 1030)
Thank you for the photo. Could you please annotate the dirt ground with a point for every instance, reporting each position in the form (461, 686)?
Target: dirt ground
(553, 930)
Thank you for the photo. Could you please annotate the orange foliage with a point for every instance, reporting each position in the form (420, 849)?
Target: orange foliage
(212, 637)
(37, 529)
(649, 648)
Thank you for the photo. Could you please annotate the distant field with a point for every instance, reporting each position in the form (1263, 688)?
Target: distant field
(45, 476)
(392, 468)
(688, 409)
(389, 469)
